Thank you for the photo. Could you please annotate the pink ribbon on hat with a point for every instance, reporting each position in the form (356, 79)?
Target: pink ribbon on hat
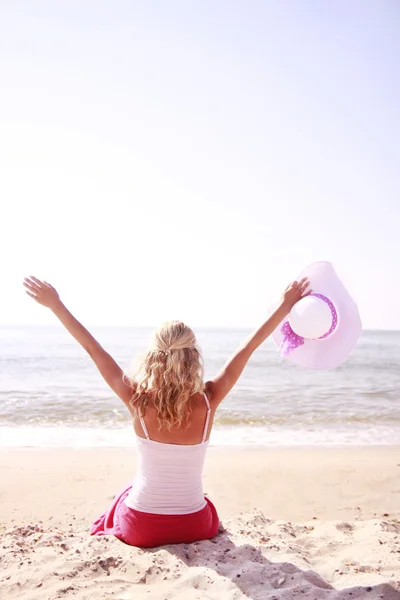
(292, 340)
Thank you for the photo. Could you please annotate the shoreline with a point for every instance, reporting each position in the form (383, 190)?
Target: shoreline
(215, 447)
(257, 436)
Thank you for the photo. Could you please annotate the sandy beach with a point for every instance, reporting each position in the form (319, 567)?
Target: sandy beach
(295, 523)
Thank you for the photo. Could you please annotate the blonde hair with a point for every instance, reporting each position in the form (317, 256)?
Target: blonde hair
(170, 373)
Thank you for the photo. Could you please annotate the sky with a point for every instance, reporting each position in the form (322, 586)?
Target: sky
(186, 160)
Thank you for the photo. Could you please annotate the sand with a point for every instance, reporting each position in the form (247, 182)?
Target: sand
(295, 523)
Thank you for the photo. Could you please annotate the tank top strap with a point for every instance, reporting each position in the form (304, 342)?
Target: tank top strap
(207, 418)
(143, 424)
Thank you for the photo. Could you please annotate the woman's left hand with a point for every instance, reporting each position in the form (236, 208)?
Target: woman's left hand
(295, 292)
(42, 292)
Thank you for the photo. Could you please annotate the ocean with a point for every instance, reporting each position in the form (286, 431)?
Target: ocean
(51, 395)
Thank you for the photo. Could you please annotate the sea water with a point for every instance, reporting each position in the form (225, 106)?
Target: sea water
(51, 394)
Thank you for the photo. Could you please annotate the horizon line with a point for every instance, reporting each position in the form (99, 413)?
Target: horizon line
(131, 326)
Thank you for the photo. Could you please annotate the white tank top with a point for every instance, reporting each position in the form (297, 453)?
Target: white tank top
(168, 480)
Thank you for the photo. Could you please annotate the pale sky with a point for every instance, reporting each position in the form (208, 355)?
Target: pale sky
(166, 159)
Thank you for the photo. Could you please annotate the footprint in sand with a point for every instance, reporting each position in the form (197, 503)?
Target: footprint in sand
(392, 526)
(345, 527)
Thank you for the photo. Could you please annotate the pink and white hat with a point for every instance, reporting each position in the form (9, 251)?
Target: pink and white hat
(321, 329)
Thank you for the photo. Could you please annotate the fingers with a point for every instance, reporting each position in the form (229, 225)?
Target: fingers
(31, 285)
(32, 295)
(305, 287)
(37, 281)
(301, 285)
(35, 288)
(297, 290)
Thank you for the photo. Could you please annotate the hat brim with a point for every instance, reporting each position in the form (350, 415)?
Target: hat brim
(329, 352)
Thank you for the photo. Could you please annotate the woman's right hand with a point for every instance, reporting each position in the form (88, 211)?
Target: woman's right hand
(42, 292)
(295, 292)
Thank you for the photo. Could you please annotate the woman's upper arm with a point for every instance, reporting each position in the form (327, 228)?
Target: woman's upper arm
(112, 374)
(220, 386)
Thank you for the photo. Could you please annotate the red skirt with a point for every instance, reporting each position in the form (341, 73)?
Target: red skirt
(148, 530)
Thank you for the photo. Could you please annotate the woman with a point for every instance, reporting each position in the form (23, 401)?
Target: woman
(173, 413)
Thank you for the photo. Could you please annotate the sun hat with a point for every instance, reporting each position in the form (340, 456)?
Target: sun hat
(321, 329)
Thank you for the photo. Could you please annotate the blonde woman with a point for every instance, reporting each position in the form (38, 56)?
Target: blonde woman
(173, 411)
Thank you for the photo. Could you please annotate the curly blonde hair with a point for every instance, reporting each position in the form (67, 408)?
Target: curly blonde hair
(170, 373)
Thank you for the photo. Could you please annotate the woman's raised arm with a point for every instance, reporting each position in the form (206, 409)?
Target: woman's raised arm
(46, 295)
(222, 384)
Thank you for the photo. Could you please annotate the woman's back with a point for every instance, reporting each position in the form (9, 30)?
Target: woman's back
(189, 433)
(169, 476)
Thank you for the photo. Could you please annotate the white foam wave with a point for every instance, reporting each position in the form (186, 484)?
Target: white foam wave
(85, 437)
